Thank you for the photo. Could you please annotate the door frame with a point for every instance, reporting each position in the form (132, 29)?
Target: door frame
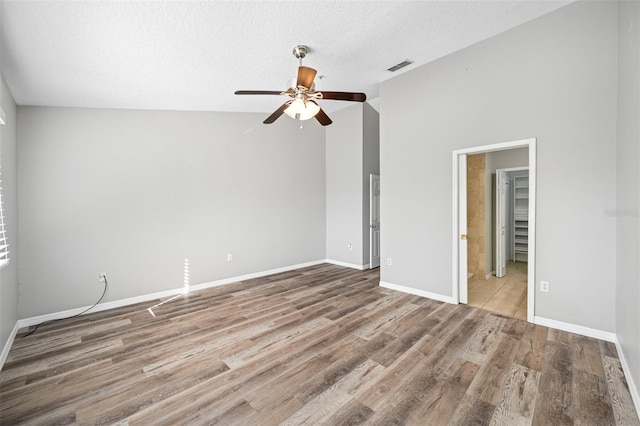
(460, 210)
(459, 218)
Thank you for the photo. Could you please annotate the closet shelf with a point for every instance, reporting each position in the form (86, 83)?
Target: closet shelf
(520, 219)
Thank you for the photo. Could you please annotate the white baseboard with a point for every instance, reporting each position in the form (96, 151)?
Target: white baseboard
(633, 388)
(416, 292)
(489, 275)
(348, 265)
(7, 345)
(577, 329)
(226, 281)
(27, 322)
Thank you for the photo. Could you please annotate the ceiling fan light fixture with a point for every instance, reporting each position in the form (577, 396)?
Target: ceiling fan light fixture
(292, 83)
(302, 93)
(302, 110)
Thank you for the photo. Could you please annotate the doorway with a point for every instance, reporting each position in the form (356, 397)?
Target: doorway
(460, 228)
(374, 221)
(504, 288)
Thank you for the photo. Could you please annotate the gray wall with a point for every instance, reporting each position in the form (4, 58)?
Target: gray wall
(553, 78)
(344, 185)
(628, 187)
(134, 193)
(353, 142)
(9, 274)
(371, 165)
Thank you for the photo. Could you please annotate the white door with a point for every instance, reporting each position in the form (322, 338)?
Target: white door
(374, 221)
(502, 192)
(462, 228)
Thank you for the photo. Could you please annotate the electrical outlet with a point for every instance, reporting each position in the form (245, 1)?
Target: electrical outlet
(349, 246)
(389, 261)
(229, 257)
(102, 276)
(544, 286)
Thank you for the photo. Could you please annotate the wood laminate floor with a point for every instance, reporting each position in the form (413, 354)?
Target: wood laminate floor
(506, 295)
(320, 345)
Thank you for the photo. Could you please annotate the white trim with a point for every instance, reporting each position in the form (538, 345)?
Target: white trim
(27, 322)
(253, 275)
(633, 389)
(489, 275)
(531, 282)
(455, 230)
(348, 265)
(514, 169)
(459, 228)
(7, 346)
(417, 292)
(531, 255)
(3, 117)
(577, 329)
(501, 146)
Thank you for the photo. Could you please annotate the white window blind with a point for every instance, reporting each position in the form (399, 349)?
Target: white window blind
(4, 245)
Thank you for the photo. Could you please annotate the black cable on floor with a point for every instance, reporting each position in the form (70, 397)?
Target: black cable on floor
(72, 316)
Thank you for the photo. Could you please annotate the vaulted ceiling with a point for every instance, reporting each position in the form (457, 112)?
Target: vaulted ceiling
(192, 55)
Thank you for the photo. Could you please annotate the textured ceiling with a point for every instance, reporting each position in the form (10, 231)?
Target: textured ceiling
(192, 55)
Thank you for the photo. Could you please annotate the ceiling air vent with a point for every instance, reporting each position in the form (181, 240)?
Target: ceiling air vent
(402, 64)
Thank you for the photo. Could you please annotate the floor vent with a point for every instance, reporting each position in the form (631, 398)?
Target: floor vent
(402, 64)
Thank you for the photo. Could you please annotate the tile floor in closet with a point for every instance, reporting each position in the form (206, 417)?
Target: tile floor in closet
(506, 295)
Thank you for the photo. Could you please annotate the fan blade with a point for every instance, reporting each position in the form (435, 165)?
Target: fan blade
(344, 96)
(257, 92)
(306, 76)
(323, 118)
(277, 113)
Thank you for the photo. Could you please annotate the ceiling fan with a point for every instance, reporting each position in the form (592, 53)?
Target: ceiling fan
(303, 103)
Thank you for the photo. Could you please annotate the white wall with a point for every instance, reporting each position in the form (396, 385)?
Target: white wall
(553, 78)
(9, 274)
(134, 193)
(627, 213)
